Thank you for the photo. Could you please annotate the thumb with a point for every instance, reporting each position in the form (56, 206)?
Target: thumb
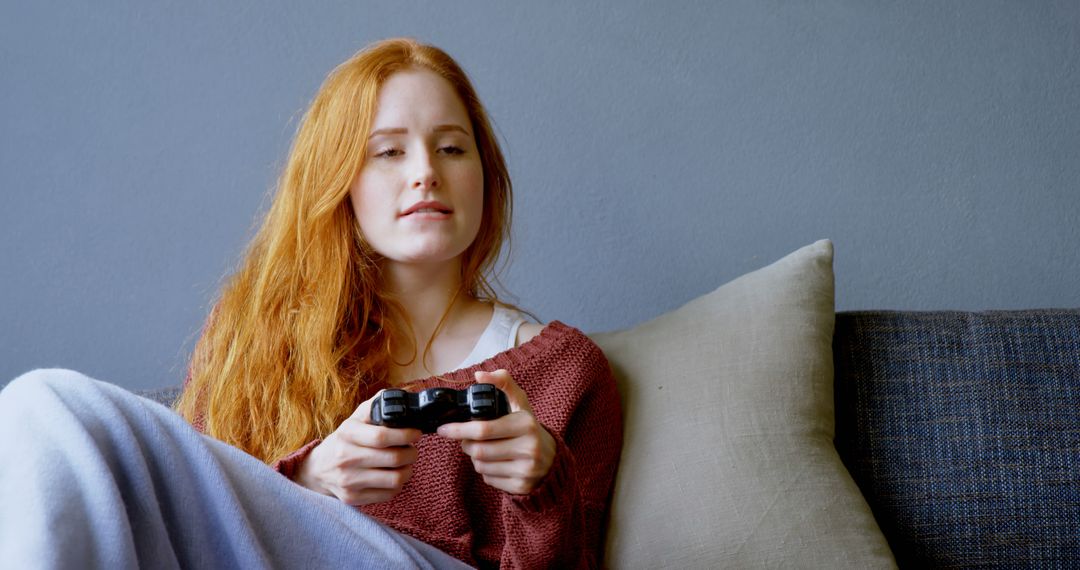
(502, 380)
(363, 411)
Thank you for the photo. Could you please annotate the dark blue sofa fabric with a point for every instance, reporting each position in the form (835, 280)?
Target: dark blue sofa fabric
(963, 432)
(164, 396)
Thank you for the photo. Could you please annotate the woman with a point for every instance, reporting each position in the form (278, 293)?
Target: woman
(393, 204)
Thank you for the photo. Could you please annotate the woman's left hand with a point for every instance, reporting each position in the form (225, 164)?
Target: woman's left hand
(513, 453)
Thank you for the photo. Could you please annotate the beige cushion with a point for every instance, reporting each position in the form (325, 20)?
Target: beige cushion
(728, 458)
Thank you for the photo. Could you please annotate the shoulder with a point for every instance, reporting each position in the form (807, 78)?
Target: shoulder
(566, 375)
(564, 345)
(556, 342)
(555, 339)
(527, 331)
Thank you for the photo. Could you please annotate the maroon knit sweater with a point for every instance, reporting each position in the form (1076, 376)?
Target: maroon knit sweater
(562, 522)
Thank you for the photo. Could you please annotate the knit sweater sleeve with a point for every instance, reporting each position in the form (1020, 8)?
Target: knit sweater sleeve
(562, 523)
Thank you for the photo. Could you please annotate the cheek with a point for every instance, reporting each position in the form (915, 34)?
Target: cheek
(476, 200)
(363, 201)
(474, 180)
(355, 202)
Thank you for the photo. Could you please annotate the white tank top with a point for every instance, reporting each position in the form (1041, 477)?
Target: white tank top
(500, 335)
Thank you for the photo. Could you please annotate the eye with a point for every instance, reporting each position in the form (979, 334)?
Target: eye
(451, 149)
(388, 153)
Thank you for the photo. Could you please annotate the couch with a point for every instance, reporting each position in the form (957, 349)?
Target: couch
(962, 430)
(764, 429)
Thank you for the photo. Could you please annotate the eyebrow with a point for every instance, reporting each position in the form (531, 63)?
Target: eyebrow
(402, 130)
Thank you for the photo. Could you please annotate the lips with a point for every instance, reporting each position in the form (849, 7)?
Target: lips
(439, 208)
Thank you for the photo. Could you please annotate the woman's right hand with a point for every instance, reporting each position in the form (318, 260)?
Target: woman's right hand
(361, 463)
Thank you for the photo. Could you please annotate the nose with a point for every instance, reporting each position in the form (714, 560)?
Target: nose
(423, 172)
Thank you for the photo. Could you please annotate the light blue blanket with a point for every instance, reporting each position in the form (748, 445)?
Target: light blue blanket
(93, 476)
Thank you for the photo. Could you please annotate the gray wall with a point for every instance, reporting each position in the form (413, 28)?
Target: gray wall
(658, 150)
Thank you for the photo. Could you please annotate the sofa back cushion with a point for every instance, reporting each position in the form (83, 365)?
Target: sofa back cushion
(728, 457)
(963, 432)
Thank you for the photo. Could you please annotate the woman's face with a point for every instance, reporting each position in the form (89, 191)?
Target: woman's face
(421, 148)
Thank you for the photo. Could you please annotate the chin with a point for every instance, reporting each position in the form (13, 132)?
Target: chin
(427, 258)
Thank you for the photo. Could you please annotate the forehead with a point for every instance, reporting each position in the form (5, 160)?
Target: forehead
(418, 98)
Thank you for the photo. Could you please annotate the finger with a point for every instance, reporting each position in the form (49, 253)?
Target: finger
(508, 426)
(379, 478)
(363, 411)
(521, 471)
(500, 449)
(502, 380)
(499, 468)
(373, 485)
(367, 435)
(376, 458)
(512, 485)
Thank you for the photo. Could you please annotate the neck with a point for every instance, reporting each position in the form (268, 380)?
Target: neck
(425, 291)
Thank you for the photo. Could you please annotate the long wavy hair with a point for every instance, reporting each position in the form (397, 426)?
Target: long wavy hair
(304, 325)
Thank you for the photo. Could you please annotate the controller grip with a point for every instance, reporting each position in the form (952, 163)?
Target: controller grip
(391, 409)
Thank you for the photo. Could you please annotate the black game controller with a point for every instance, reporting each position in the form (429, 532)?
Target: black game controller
(434, 407)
